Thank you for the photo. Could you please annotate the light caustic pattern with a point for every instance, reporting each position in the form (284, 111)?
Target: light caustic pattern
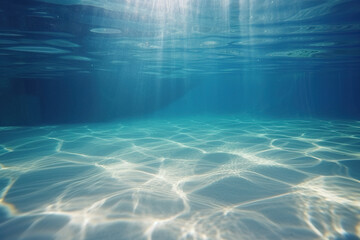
(203, 178)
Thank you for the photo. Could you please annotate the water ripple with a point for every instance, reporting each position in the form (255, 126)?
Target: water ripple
(203, 178)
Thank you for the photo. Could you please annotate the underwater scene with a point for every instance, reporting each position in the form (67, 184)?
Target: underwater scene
(180, 119)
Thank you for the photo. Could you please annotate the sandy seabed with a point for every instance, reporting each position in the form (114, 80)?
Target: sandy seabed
(202, 178)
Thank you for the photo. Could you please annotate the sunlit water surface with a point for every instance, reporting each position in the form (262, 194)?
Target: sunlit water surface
(200, 178)
(191, 178)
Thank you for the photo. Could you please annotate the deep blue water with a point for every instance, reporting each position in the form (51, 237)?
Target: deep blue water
(179, 119)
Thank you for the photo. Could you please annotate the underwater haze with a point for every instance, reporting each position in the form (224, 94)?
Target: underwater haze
(179, 119)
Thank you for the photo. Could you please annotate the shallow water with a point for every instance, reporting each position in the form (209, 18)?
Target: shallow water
(219, 177)
(179, 119)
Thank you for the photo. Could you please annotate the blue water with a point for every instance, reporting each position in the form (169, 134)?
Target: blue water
(179, 119)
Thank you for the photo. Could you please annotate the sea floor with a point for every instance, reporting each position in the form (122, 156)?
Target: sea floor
(220, 177)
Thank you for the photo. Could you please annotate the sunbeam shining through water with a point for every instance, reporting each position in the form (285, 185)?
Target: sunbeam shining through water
(179, 119)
